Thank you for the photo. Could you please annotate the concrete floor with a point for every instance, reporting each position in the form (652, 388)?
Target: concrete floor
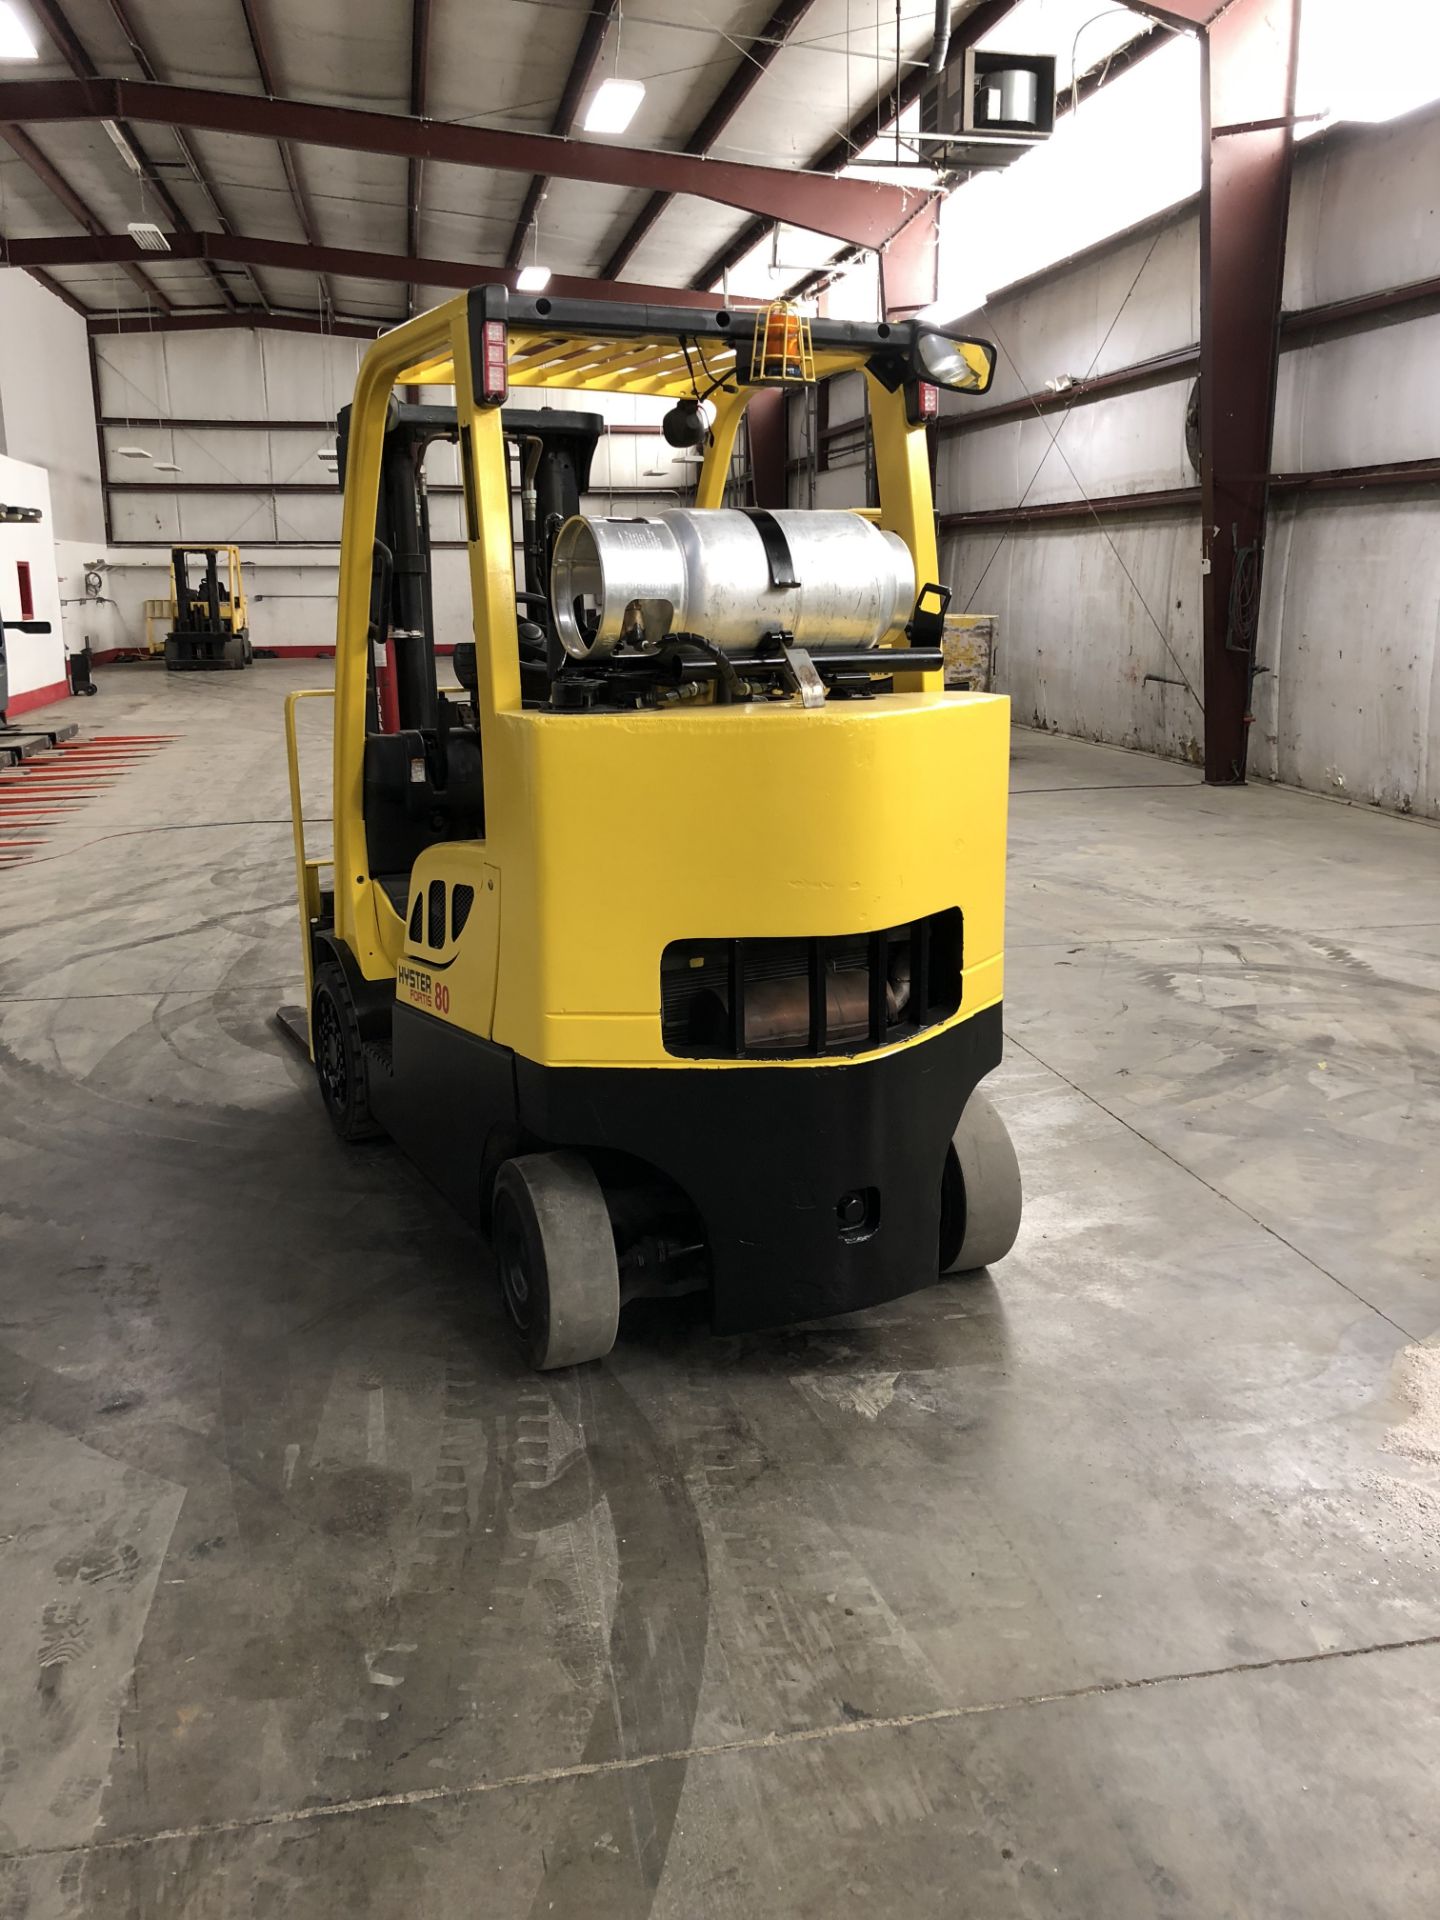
(1104, 1587)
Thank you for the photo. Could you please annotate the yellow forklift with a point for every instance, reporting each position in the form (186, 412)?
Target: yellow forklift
(209, 621)
(669, 942)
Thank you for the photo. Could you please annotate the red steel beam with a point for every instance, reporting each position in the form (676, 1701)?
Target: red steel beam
(1299, 327)
(756, 59)
(1165, 367)
(910, 266)
(49, 175)
(1086, 85)
(264, 320)
(1390, 473)
(110, 249)
(264, 65)
(766, 428)
(1106, 507)
(577, 81)
(862, 212)
(1248, 60)
(1405, 302)
(868, 127)
(1180, 13)
(419, 96)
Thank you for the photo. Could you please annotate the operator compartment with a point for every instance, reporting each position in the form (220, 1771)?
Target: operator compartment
(423, 772)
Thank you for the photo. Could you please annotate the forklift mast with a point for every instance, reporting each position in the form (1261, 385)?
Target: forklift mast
(196, 611)
(555, 449)
(209, 627)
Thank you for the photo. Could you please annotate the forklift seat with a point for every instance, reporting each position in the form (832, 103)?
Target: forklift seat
(422, 785)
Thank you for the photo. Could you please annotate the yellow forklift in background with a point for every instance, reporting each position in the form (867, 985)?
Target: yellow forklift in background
(670, 943)
(209, 618)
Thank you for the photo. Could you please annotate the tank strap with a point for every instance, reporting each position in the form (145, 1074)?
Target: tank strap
(777, 548)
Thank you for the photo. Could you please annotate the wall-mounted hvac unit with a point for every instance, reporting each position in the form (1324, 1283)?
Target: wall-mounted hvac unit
(984, 109)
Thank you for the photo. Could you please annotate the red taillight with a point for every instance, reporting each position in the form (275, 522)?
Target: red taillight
(494, 379)
(928, 401)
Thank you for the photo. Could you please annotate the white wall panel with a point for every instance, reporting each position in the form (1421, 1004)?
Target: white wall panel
(151, 516)
(1360, 400)
(842, 488)
(1132, 444)
(305, 376)
(34, 661)
(216, 518)
(1351, 705)
(46, 416)
(1075, 637)
(1094, 316)
(1364, 214)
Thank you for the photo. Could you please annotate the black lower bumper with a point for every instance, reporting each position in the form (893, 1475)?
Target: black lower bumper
(818, 1186)
(205, 652)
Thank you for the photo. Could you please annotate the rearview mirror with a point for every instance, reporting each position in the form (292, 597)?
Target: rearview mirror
(964, 366)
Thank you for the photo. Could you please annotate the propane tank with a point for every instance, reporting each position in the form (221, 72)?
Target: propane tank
(828, 578)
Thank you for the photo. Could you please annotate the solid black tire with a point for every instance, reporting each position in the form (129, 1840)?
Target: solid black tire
(339, 1056)
(555, 1259)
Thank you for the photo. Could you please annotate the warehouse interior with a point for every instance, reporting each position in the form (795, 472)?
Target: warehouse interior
(1090, 1575)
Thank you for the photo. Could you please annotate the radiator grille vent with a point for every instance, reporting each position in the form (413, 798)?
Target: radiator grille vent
(837, 994)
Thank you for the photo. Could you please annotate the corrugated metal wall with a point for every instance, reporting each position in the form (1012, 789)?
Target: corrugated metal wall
(269, 381)
(1100, 619)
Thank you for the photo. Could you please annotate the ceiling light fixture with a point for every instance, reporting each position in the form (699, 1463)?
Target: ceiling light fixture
(134, 453)
(147, 236)
(167, 466)
(614, 105)
(615, 102)
(534, 278)
(123, 147)
(15, 41)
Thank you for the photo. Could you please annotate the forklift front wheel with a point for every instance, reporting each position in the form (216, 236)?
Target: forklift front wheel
(980, 1195)
(340, 1057)
(555, 1255)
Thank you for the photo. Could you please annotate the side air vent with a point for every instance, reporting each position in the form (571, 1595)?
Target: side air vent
(435, 934)
(462, 898)
(417, 920)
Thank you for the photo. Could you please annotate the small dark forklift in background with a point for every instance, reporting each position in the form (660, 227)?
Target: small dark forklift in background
(211, 624)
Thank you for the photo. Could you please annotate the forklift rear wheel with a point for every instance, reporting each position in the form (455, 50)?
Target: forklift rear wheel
(980, 1195)
(555, 1255)
(340, 1057)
